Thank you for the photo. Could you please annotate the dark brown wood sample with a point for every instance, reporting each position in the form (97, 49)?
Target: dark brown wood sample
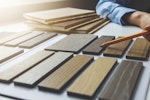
(94, 47)
(40, 71)
(59, 79)
(139, 50)
(118, 49)
(121, 84)
(72, 43)
(37, 40)
(15, 70)
(90, 80)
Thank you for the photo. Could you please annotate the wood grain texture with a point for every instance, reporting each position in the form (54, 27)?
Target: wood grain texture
(118, 49)
(139, 50)
(59, 79)
(94, 47)
(90, 80)
(40, 71)
(37, 40)
(122, 83)
(72, 43)
(15, 70)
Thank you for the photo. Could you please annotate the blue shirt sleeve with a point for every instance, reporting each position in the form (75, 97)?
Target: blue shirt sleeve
(113, 10)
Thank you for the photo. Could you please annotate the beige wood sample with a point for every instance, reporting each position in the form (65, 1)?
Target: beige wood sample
(40, 71)
(59, 78)
(37, 40)
(15, 70)
(139, 50)
(90, 80)
(72, 43)
(8, 52)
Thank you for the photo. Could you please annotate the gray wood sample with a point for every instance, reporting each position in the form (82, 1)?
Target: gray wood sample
(94, 47)
(122, 83)
(59, 79)
(40, 71)
(90, 80)
(72, 43)
(15, 70)
(148, 93)
(139, 50)
(37, 40)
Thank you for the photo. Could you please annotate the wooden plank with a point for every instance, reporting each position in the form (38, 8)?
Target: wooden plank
(7, 53)
(118, 49)
(15, 70)
(90, 80)
(139, 50)
(122, 83)
(72, 43)
(40, 71)
(94, 47)
(62, 76)
(37, 40)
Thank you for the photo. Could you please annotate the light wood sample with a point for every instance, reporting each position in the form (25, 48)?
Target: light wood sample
(90, 80)
(139, 50)
(72, 43)
(122, 83)
(40, 71)
(59, 79)
(10, 73)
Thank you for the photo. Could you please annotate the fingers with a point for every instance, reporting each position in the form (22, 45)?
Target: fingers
(147, 37)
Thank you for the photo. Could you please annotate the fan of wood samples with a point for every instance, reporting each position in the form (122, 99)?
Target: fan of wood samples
(66, 20)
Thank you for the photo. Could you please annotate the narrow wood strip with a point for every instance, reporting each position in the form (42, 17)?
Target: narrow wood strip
(37, 73)
(10, 73)
(72, 43)
(7, 53)
(94, 47)
(37, 40)
(121, 84)
(90, 80)
(24, 38)
(118, 49)
(59, 79)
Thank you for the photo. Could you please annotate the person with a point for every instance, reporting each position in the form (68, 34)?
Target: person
(126, 12)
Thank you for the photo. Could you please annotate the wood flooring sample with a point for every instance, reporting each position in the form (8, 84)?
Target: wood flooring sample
(90, 80)
(94, 47)
(59, 79)
(122, 83)
(118, 49)
(72, 43)
(8, 52)
(40, 71)
(10, 73)
(139, 50)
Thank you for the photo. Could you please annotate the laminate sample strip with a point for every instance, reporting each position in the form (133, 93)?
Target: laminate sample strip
(40, 71)
(37, 40)
(7, 53)
(90, 80)
(24, 38)
(15, 70)
(94, 47)
(122, 83)
(118, 49)
(72, 43)
(139, 50)
(59, 79)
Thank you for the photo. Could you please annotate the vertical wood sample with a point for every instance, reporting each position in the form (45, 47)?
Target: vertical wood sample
(90, 80)
(72, 43)
(122, 83)
(139, 50)
(94, 47)
(59, 79)
(10, 73)
(118, 49)
(40, 71)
